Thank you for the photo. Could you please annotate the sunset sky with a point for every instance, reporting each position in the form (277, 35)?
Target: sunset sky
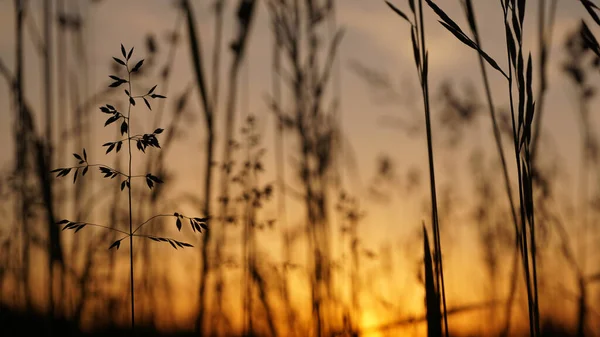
(373, 36)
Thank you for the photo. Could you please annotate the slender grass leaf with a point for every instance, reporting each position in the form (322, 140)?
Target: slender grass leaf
(425, 65)
(65, 171)
(151, 90)
(443, 16)
(510, 41)
(149, 183)
(416, 53)
(111, 120)
(471, 15)
(119, 61)
(123, 128)
(521, 5)
(195, 46)
(155, 179)
(589, 7)
(589, 39)
(466, 40)
(115, 244)
(137, 66)
(459, 35)
(399, 12)
(517, 28)
(529, 71)
(110, 148)
(116, 84)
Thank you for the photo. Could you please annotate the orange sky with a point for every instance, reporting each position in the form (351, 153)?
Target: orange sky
(373, 36)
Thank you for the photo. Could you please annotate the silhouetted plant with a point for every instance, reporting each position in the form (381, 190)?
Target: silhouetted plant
(350, 214)
(142, 142)
(250, 199)
(300, 24)
(519, 73)
(421, 57)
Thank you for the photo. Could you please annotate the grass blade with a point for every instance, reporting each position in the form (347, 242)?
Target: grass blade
(432, 300)
(399, 12)
(589, 7)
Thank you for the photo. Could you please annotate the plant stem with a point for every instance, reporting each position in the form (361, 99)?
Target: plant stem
(130, 212)
(434, 213)
(522, 234)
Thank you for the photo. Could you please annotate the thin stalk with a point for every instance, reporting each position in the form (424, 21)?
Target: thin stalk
(495, 127)
(434, 214)
(533, 251)
(522, 233)
(498, 141)
(130, 209)
(196, 54)
(279, 139)
(280, 165)
(216, 67)
(216, 57)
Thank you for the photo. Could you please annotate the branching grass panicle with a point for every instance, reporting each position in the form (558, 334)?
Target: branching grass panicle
(142, 142)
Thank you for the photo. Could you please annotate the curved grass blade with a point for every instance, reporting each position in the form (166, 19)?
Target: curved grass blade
(454, 28)
(399, 12)
(589, 7)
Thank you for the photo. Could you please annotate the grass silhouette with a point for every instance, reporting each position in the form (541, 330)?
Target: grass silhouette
(142, 142)
(434, 290)
(246, 284)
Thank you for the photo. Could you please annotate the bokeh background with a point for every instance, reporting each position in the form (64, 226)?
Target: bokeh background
(369, 185)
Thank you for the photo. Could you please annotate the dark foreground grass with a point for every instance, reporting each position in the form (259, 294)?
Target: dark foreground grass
(15, 323)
